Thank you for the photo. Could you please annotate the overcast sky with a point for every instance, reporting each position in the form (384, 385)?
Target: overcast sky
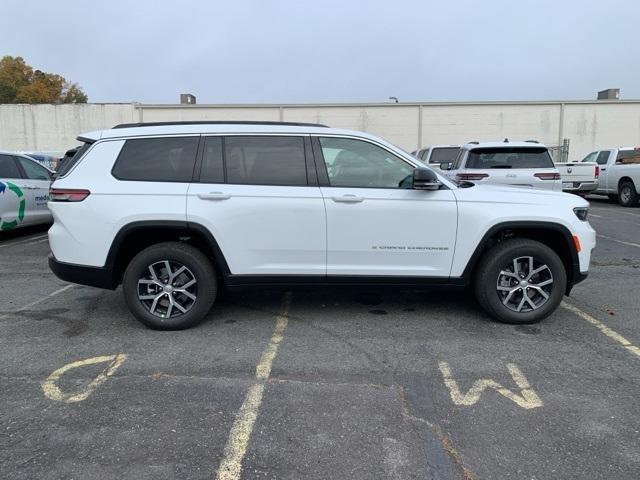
(261, 51)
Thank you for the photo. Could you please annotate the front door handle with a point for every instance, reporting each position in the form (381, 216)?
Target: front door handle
(347, 199)
(214, 196)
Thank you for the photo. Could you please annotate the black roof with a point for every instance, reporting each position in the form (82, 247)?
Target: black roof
(218, 122)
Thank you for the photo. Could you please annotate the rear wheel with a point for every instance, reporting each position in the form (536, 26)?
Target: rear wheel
(520, 281)
(170, 286)
(627, 195)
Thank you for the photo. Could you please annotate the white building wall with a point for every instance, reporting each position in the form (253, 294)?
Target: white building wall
(588, 125)
(54, 128)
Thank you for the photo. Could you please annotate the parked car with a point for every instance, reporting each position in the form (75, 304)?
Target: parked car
(48, 161)
(522, 164)
(24, 191)
(437, 154)
(174, 211)
(579, 177)
(619, 174)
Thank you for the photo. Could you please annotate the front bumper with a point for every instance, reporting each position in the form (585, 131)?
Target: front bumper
(100, 277)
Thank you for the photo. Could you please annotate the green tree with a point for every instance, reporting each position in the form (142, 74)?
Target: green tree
(20, 83)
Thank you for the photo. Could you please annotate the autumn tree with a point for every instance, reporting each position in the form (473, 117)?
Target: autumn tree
(20, 83)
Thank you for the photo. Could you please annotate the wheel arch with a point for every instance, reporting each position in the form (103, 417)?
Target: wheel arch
(625, 179)
(132, 238)
(556, 236)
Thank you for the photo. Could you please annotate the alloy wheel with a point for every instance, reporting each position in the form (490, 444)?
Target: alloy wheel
(167, 289)
(525, 284)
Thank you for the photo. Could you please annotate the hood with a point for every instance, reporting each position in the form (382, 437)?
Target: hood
(517, 195)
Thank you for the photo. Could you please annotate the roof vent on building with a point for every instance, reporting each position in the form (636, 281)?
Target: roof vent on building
(609, 94)
(187, 99)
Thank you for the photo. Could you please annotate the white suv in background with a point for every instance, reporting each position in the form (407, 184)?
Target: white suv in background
(174, 211)
(24, 191)
(521, 164)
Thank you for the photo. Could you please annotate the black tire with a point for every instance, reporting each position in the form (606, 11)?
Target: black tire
(198, 267)
(500, 258)
(627, 195)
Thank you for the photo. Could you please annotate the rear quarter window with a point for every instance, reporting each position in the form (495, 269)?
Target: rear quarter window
(168, 159)
(67, 162)
(487, 158)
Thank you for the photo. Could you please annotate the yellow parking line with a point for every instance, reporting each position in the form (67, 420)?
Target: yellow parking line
(612, 334)
(231, 465)
(32, 304)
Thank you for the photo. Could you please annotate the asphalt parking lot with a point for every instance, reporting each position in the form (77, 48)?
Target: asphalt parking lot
(326, 384)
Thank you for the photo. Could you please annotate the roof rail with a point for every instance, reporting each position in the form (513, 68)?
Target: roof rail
(474, 142)
(218, 122)
(532, 141)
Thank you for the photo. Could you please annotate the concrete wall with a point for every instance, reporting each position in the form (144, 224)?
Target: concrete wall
(587, 124)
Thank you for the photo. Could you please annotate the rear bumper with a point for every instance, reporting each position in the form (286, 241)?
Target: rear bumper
(100, 277)
(581, 187)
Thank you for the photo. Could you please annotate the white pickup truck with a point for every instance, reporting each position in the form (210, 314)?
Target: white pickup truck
(579, 177)
(619, 174)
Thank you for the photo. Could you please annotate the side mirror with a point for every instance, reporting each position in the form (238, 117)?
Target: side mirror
(425, 179)
(445, 166)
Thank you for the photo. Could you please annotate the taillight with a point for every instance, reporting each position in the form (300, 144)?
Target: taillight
(471, 176)
(68, 194)
(547, 176)
(597, 172)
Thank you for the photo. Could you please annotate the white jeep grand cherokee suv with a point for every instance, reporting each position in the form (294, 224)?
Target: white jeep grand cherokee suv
(174, 211)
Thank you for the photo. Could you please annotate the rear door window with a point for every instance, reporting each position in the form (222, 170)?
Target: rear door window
(33, 170)
(513, 157)
(212, 161)
(603, 157)
(167, 159)
(9, 167)
(265, 160)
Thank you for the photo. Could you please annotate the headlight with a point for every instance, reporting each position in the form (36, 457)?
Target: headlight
(582, 213)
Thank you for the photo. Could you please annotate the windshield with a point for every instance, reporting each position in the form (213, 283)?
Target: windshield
(524, 157)
(444, 154)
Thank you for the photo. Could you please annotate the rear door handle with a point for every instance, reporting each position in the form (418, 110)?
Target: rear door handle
(347, 199)
(214, 196)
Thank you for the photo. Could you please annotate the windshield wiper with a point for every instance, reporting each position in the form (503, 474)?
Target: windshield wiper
(501, 166)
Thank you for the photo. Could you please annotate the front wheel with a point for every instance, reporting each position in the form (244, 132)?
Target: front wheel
(627, 195)
(520, 281)
(170, 286)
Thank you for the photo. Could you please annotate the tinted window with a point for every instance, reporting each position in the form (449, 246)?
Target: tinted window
(265, 160)
(355, 163)
(33, 170)
(68, 162)
(603, 157)
(628, 156)
(441, 155)
(168, 159)
(482, 158)
(212, 168)
(8, 167)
